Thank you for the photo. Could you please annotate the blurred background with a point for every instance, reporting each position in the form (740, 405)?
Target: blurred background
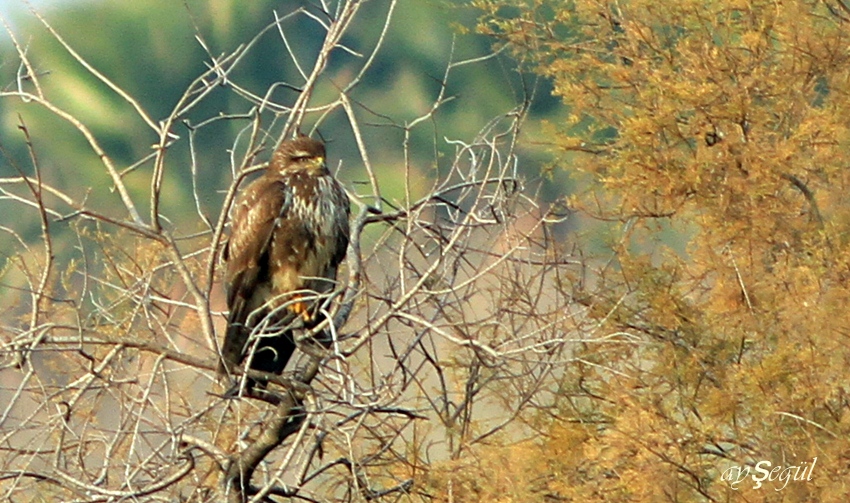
(154, 50)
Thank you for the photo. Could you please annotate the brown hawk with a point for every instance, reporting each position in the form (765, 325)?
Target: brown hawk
(289, 233)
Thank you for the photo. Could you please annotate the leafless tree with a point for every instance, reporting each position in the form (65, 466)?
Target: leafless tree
(453, 319)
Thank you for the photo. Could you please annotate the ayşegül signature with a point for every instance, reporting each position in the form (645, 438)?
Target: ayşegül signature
(766, 471)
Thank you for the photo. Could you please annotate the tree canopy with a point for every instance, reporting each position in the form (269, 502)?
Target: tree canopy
(710, 140)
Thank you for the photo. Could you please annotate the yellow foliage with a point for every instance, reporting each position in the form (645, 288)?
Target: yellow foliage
(726, 121)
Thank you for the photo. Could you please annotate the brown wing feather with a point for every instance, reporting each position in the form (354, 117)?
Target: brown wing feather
(252, 232)
(247, 272)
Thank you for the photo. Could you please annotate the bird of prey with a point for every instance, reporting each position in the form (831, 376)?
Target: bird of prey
(289, 233)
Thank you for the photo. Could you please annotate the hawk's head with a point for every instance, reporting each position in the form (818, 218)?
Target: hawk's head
(300, 154)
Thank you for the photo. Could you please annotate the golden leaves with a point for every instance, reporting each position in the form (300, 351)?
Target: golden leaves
(718, 128)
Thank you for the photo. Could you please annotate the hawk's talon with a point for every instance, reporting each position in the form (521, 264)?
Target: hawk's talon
(303, 310)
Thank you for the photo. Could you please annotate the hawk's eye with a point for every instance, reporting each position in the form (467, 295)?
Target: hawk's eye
(301, 158)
